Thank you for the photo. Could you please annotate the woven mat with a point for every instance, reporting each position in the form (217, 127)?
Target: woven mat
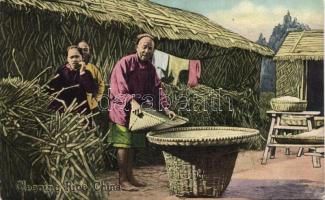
(202, 136)
(153, 120)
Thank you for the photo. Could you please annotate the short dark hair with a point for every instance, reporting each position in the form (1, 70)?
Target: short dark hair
(140, 36)
(75, 47)
(84, 41)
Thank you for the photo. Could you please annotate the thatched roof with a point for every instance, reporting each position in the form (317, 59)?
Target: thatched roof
(158, 20)
(305, 45)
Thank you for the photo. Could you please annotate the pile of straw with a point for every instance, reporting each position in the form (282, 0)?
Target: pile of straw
(42, 147)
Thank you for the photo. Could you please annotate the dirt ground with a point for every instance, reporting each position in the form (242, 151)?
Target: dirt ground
(285, 177)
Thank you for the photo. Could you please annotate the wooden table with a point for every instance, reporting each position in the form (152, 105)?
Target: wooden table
(276, 127)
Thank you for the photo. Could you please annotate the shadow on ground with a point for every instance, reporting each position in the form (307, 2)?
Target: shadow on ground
(273, 189)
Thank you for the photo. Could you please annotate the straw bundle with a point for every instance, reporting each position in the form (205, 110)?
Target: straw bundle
(44, 148)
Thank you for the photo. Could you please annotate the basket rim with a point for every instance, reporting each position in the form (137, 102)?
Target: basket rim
(277, 100)
(152, 136)
(288, 105)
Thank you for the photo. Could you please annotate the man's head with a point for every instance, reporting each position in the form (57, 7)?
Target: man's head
(145, 46)
(74, 56)
(83, 45)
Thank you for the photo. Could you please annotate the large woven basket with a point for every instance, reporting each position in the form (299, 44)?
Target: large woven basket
(287, 105)
(153, 120)
(200, 160)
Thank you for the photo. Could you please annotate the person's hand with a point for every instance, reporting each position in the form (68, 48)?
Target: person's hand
(82, 67)
(170, 114)
(135, 106)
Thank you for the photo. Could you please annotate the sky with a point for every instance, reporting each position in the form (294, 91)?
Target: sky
(249, 18)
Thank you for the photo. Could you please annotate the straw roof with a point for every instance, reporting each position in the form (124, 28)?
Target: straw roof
(158, 20)
(305, 45)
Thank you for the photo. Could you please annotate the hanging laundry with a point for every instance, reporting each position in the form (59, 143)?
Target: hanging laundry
(160, 61)
(194, 73)
(175, 66)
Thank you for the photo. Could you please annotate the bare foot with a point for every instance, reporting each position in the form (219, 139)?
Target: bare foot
(137, 183)
(126, 186)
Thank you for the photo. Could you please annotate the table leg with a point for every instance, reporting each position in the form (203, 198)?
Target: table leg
(310, 121)
(287, 150)
(315, 158)
(268, 141)
(273, 149)
(316, 161)
(300, 151)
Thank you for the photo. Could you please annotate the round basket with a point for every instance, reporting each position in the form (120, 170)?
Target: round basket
(202, 136)
(288, 106)
(200, 160)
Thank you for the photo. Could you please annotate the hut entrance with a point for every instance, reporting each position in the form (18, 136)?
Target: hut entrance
(315, 86)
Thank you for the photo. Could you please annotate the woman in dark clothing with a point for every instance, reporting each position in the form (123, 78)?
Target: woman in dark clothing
(74, 81)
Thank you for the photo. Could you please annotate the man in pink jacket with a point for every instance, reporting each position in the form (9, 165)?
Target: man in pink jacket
(133, 83)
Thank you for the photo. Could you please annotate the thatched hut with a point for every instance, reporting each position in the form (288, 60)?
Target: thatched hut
(300, 67)
(34, 35)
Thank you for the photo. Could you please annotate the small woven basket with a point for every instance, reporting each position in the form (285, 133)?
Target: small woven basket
(200, 160)
(287, 105)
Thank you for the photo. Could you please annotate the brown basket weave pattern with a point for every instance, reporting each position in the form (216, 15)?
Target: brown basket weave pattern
(200, 171)
(144, 121)
(200, 160)
(301, 121)
(220, 135)
(153, 120)
(288, 106)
